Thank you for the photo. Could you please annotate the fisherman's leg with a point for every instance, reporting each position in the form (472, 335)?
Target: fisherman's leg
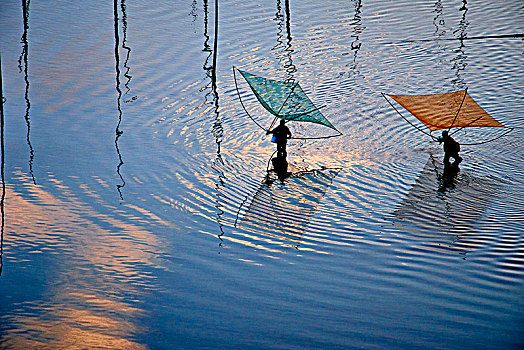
(281, 150)
(458, 158)
(446, 158)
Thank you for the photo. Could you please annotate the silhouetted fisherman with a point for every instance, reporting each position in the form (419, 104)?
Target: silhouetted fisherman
(281, 134)
(451, 148)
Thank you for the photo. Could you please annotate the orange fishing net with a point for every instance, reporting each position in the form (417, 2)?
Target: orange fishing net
(438, 111)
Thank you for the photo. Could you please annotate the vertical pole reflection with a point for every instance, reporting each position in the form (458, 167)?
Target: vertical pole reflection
(459, 62)
(2, 167)
(211, 72)
(206, 21)
(439, 22)
(118, 132)
(358, 28)
(217, 130)
(215, 52)
(285, 57)
(127, 48)
(23, 59)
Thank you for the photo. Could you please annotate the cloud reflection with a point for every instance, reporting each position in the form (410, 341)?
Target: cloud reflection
(103, 264)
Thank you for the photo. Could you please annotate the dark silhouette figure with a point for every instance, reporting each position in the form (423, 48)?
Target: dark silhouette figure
(281, 134)
(451, 148)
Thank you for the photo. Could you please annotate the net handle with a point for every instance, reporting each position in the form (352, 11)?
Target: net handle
(310, 111)
(454, 132)
(493, 139)
(283, 104)
(317, 138)
(242, 102)
(456, 115)
(413, 125)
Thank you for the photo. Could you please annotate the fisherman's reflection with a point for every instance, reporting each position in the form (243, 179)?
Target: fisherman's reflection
(280, 168)
(447, 180)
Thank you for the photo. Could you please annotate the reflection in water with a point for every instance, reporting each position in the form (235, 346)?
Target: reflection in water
(206, 48)
(440, 28)
(284, 54)
(23, 58)
(211, 73)
(128, 49)
(217, 126)
(459, 62)
(217, 129)
(2, 168)
(283, 209)
(118, 132)
(444, 201)
(438, 21)
(358, 28)
(356, 44)
(64, 327)
(102, 264)
(194, 11)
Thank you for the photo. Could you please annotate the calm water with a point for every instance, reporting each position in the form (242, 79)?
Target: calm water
(135, 214)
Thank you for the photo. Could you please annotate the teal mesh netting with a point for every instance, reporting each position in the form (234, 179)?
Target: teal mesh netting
(285, 100)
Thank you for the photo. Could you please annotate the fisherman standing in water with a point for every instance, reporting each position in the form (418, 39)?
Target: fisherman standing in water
(281, 134)
(451, 148)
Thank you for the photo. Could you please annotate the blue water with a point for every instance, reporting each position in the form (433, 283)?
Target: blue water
(135, 213)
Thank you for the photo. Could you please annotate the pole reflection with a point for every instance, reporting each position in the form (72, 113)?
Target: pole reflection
(358, 28)
(459, 62)
(118, 132)
(23, 66)
(283, 47)
(206, 48)
(217, 128)
(2, 168)
(127, 75)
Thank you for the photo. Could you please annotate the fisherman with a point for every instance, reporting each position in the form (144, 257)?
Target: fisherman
(281, 134)
(451, 148)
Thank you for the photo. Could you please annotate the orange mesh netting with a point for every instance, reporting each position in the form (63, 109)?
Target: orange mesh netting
(438, 111)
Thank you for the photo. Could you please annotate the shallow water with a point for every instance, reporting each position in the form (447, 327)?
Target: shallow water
(135, 213)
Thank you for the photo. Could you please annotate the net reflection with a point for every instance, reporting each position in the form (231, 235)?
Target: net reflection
(282, 208)
(444, 200)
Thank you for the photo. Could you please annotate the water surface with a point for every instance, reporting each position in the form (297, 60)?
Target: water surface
(135, 212)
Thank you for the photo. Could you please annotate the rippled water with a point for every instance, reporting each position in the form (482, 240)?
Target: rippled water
(136, 213)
